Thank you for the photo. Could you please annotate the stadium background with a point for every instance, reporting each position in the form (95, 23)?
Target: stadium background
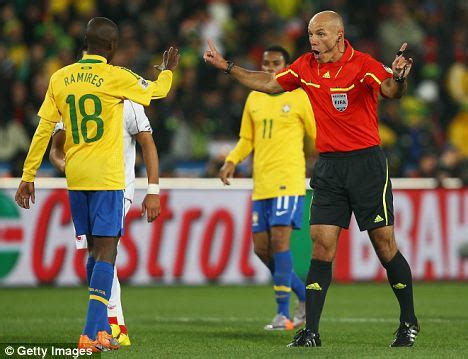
(205, 236)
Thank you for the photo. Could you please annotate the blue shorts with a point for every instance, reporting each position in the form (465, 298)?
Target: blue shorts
(100, 213)
(278, 211)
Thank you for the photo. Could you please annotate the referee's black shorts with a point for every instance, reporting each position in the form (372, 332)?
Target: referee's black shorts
(355, 181)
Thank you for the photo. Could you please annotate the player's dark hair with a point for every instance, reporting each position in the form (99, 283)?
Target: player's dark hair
(277, 48)
(100, 32)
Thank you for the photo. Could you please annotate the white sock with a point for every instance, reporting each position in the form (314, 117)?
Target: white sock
(114, 308)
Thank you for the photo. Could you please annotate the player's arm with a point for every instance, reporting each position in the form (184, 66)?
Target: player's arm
(33, 161)
(255, 80)
(47, 113)
(396, 86)
(151, 203)
(57, 154)
(135, 88)
(243, 148)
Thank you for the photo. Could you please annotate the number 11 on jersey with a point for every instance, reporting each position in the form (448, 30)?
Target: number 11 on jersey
(265, 128)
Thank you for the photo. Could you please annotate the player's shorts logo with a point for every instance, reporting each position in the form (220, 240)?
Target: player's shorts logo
(255, 218)
(340, 101)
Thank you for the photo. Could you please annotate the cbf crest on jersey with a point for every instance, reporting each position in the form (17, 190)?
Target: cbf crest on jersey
(340, 101)
(286, 108)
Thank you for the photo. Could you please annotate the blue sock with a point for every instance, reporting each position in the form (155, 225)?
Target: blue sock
(298, 287)
(282, 280)
(99, 294)
(89, 268)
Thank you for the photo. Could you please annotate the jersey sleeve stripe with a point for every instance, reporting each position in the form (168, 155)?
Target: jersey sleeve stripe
(335, 89)
(310, 84)
(287, 72)
(371, 75)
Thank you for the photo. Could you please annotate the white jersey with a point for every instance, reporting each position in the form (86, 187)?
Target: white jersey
(135, 121)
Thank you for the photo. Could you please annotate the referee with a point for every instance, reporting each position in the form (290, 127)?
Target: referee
(351, 174)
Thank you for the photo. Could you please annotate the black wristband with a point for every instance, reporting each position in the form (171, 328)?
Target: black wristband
(400, 79)
(229, 67)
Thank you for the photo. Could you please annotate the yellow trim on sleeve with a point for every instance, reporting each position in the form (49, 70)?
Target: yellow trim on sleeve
(101, 299)
(371, 75)
(286, 72)
(310, 84)
(383, 196)
(335, 89)
(281, 288)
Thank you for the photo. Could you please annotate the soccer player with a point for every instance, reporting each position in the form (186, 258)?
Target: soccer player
(88, 96)
(137, 128)
(274, 128)
(351, 174)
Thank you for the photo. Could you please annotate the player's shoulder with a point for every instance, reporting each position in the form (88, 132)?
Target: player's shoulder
(125, 70)
(131, 105)
(299, 94)
(63, 71)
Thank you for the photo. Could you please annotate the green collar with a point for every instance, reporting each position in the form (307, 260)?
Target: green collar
(92, 59)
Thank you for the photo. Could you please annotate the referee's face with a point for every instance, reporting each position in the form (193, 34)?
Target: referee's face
(324, 37)
(273, 61)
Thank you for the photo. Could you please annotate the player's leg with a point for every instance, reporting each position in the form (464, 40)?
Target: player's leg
(261, 210)
(91, 261)
(329, 212)
(372, 202)
(106, 225)
(286, 215)
(114, 309)
(113, 305)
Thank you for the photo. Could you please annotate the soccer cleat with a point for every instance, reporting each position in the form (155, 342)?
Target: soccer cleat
(280, 322)
(124, 340)
(115, 330)
(305, 338)
(299, 314)
(405, 335)
(121, 337)
(86, 343)
(107, 341)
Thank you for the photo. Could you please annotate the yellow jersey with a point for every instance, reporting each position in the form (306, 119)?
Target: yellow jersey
(88, 96)
(274, 127)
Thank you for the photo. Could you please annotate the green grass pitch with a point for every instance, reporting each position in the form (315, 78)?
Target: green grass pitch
(218, 321)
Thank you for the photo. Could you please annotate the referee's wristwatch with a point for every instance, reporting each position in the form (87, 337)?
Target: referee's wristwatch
(399, 79)
(229, 67)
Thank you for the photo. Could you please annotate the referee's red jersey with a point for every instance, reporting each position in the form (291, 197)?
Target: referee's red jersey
(343, 95)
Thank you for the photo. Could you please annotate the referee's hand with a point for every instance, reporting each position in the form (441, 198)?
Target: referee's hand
(227, 171)
(401, 66)
(213, 57)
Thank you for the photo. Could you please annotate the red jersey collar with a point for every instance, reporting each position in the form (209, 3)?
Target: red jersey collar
(348, 54)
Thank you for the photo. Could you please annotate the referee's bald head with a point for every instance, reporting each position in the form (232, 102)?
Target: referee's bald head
(101, 37)
(330, 18)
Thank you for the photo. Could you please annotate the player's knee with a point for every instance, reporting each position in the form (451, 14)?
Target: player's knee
(280, 239)
(263, 254)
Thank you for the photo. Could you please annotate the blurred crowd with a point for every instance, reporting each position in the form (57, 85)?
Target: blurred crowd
(424, 135)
